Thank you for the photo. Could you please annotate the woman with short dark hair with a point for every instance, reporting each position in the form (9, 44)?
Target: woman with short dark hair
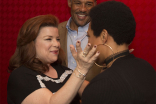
(126, 79)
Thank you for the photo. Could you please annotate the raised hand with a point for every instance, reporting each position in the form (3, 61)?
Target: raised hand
(86, 58)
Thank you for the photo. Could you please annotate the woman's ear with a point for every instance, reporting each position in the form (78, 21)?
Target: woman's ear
(69, 3)
(104, 35)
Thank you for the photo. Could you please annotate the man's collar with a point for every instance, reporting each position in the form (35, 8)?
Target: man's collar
(84, 28)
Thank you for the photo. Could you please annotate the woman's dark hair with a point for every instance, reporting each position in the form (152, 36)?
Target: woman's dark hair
(25, 53)
(116, 18)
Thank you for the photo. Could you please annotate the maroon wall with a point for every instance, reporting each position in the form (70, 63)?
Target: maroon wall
(13, 13)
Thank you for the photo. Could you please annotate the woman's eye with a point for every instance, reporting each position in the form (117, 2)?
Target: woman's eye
(48, 39)
(87, 35)
(58, 39)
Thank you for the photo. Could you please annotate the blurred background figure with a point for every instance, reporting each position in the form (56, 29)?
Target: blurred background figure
(76, 29)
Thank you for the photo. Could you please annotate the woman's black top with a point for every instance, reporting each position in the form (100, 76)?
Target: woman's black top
(129, 80)
(23, 81)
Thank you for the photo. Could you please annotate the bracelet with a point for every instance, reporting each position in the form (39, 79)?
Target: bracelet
(81, 73)
(79, 76)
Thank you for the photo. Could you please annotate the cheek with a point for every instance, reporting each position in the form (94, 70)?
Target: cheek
(88, 40)
(91, 41)
(59, 45)
(89, 8)
(74, 9)
(41, 47)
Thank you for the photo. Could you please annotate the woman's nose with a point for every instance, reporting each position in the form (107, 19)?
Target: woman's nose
(56, 43)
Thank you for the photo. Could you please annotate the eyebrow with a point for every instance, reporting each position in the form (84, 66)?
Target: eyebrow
(76, 0)
(89, 2)
(51, 36)
(48, 36)
(86, 2)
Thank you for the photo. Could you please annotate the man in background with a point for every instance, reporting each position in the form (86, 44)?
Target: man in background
(76, 29)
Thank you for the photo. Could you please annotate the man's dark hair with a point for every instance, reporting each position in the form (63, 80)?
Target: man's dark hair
(116, 18)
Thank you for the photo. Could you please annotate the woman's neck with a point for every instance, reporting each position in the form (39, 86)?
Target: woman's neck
(52, 72)
(118, 51)
(110, 60)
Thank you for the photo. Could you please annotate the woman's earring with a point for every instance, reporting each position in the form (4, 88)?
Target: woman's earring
(103, 36)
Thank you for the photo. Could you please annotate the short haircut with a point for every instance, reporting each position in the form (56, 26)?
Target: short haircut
(116, 18)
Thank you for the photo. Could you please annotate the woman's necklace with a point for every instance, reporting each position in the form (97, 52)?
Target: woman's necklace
(109, 60)
(115, 56)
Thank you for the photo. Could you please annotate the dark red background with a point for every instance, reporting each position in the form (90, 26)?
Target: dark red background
(13, 13)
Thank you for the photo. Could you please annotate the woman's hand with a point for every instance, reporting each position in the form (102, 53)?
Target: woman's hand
(86, 58)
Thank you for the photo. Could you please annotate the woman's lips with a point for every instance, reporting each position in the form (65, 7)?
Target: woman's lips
(54, 52)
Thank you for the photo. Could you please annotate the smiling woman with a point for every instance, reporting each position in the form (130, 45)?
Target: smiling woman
(37, 76)
(47, 44)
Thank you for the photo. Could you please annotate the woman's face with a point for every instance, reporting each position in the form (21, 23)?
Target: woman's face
(47, 44)
(91, 38)
(95, 41)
